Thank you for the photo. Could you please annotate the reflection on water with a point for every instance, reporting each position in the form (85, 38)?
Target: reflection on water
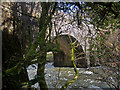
(56, 77)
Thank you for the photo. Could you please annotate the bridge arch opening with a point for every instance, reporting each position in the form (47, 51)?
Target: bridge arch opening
(49, 56)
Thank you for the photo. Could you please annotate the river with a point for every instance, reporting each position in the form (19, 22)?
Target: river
(58, 76)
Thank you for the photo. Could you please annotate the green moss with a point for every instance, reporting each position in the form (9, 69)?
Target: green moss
(75, 68)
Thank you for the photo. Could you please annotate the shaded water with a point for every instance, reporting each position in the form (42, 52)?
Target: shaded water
(56, 77)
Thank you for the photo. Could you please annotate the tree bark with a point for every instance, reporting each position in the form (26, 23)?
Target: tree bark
(45, 19)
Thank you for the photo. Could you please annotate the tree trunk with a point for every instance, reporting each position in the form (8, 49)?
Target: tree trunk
(44, 21)
(40, 72)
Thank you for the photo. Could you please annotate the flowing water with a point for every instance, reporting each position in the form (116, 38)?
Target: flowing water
(58, 76)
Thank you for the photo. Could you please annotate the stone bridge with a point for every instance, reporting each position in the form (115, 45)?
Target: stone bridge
(68, 31)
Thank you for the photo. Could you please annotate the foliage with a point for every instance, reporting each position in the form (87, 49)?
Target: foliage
(105, 47)
(21, 44)
(27, 44)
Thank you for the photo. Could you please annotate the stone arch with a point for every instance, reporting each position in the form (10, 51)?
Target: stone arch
(63, 57)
